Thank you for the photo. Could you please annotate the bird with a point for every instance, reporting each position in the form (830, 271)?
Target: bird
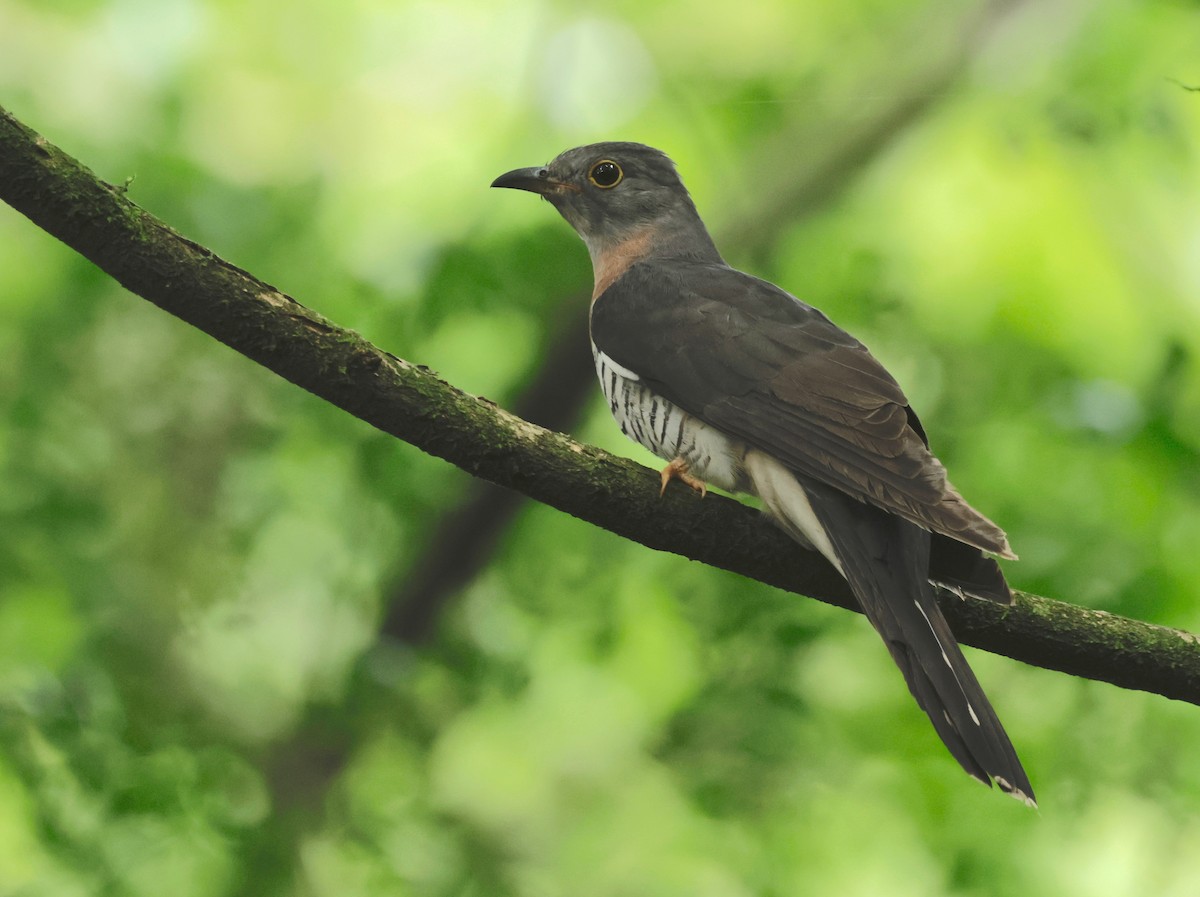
(735, 382)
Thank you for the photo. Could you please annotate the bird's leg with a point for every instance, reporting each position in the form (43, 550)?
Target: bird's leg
(678, 470)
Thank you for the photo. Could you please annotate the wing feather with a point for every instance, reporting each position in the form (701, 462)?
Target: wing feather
(744, 356)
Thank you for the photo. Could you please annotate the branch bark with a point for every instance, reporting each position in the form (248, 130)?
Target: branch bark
(412, 403)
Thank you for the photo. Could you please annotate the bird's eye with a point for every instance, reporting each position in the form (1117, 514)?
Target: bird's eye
(606, 174)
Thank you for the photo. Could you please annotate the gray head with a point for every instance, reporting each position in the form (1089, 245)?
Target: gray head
(612, 191)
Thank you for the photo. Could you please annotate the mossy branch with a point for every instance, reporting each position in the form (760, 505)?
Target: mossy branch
(412, 403)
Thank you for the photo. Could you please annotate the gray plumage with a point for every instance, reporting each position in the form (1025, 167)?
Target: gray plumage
(738, 383)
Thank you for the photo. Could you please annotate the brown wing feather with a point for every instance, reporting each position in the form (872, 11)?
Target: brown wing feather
(754, 361)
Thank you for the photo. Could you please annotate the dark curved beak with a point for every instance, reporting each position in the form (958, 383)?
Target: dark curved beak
(535, 180)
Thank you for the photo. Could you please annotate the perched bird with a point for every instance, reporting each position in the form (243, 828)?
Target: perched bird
(734, 381)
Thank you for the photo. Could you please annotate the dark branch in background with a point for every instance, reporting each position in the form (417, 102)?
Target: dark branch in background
(1187, 87)
(412, 403)
(803, 184)
(468, 533)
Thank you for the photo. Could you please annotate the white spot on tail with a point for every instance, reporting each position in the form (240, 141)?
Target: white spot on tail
(917, 604)
(945, 657)
(1020, 795)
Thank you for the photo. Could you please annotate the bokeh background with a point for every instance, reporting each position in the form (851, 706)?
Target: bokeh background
(211, 681)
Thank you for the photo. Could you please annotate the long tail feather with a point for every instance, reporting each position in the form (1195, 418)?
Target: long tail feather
(886, 561)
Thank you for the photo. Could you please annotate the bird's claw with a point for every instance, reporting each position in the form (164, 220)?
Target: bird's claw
(678, 470)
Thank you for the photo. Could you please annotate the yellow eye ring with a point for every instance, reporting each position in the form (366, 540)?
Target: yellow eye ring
(606, 174)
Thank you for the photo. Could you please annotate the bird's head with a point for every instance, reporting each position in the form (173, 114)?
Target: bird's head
(614, 191)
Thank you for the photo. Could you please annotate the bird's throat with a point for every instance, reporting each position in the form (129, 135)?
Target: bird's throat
(611, 260)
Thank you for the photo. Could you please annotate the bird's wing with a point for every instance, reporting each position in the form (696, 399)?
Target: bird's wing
(750, 359)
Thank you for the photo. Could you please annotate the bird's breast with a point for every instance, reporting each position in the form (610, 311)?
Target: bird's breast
(667, 430)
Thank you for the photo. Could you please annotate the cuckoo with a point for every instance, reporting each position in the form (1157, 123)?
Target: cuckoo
(735, 382)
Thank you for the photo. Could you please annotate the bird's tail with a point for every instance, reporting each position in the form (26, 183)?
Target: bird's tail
(886, 561)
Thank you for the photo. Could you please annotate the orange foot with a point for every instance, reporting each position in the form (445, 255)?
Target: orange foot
(678, 470)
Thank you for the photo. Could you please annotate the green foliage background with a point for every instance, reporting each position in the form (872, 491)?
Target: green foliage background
(195, 555)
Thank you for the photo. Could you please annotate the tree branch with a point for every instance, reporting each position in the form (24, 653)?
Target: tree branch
(410, 402)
